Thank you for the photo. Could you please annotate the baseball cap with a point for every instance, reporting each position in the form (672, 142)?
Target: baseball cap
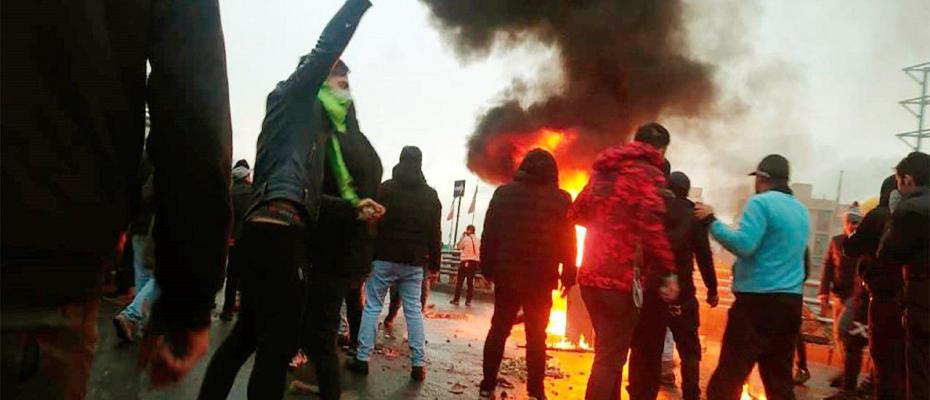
(773, 166)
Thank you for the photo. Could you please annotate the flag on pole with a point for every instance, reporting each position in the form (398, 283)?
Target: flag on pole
(471, 208)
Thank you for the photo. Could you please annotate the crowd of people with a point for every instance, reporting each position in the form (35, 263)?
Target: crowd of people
(312, 230)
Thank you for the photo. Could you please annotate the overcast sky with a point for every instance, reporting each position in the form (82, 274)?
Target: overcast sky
(818, 81)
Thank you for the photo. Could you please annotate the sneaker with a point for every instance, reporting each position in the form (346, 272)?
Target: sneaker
(801, 376)
(418, 374)
(125, 328)
(486, 395)
(357, 366)
(454, 302)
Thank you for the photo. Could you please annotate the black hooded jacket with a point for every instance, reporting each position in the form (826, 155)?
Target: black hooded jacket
(882, 281)
(410, 232)
(527, 233)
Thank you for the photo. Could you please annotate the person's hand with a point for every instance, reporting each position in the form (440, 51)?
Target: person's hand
(713, 301)
(369, 210)
(169, 357)
(670, 290)
(565, 291)
(703, 211)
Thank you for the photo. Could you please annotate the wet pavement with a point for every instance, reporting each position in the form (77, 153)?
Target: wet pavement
(455, 336)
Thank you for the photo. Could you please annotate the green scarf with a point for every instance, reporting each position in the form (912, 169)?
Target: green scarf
(337, 109)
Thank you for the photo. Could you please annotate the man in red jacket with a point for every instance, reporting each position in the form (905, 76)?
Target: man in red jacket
(622, 209)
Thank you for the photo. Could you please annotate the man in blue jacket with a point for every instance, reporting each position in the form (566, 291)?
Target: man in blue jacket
(768, 278)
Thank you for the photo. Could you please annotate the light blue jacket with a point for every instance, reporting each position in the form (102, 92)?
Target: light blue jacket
(769, 244)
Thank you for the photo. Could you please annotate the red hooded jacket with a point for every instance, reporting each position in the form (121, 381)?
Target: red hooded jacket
(622, 208)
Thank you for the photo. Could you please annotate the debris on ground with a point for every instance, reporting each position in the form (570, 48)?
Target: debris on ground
(516, 368)
(504, 383)
(445, 315)
(299, 387)
(458, 388)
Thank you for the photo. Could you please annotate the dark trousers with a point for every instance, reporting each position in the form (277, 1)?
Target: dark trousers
(763, 329)
(646, 347)
(466, 274)
(274, 261)
(886, 334)
(395, 298)
(355, 303)
(232, 280)
(918, 357)
(614, 317)
(321, 328)
(802, 353)
(47, 352)
(536, 303)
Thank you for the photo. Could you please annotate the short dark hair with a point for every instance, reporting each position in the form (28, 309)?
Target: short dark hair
(653, 133)
(917, 165)
(471, 227)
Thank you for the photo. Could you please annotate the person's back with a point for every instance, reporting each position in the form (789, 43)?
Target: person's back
(75, 88)
(408, 233)
(775, 262)
(527, 233)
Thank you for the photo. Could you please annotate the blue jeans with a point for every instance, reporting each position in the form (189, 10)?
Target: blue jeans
(142, 275)
(146, 288)
(409, 279)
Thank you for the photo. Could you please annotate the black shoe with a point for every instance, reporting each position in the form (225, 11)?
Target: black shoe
(357, 366)
(801, 376)
(418, 374)
(467, 303)
(454, 302)
(352, 352)
(837, 381)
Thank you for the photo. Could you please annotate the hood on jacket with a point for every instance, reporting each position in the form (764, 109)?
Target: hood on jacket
(409, 170)
(888, 186)
(612, 158)
(680, 184)
(538, 167)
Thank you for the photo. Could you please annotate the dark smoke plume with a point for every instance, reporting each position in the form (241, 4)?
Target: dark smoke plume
(624, 62)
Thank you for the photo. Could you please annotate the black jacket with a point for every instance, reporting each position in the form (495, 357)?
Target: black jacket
(74, 90)
(342, 245)
(527, 233)
(882, 281)
(907, 245)
(410, 232)
(839, 270)
(241, 195)
(289, 159)
(689, 241)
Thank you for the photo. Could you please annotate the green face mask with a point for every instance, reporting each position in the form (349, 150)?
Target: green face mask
(336, 102)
